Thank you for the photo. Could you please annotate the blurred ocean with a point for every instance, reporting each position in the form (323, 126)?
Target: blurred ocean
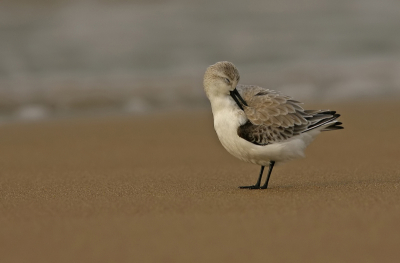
(62, 58)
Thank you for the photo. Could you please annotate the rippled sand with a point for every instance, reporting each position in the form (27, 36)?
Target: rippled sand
(162, 189)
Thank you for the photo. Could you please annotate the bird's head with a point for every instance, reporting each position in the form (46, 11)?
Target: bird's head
(221, 79)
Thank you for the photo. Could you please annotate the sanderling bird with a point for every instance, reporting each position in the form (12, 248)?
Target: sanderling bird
(258, 125)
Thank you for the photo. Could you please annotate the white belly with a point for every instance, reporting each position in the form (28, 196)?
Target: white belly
(226, 123)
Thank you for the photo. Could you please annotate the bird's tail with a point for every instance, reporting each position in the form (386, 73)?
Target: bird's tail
(324, 119)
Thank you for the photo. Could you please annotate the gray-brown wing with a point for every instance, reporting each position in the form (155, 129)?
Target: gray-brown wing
(263, 134)
(274, 117)
(267, 107)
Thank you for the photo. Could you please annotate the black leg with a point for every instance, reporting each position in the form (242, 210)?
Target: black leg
(271, 165)
(257, 185)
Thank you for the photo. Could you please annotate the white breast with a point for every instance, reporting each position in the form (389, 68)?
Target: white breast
(226, 122)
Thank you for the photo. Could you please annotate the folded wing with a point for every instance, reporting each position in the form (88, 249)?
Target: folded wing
(274, 117)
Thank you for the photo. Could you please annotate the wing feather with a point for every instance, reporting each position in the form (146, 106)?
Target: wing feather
(273, 117)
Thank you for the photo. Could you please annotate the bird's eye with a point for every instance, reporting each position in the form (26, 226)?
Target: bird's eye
(227, 81)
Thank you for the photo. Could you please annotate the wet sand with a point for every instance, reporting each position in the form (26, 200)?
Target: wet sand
(162, 189)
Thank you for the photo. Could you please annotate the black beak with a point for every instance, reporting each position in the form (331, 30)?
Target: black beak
(237, 98)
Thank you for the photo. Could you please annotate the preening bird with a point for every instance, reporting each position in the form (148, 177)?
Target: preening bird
(258, 125)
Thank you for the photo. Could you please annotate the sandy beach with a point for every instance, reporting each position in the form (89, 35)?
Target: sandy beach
(160, 188)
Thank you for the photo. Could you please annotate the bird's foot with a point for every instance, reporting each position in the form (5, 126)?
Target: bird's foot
(250, 187)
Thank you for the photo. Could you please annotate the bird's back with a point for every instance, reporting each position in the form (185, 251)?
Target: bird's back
(274, 117)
